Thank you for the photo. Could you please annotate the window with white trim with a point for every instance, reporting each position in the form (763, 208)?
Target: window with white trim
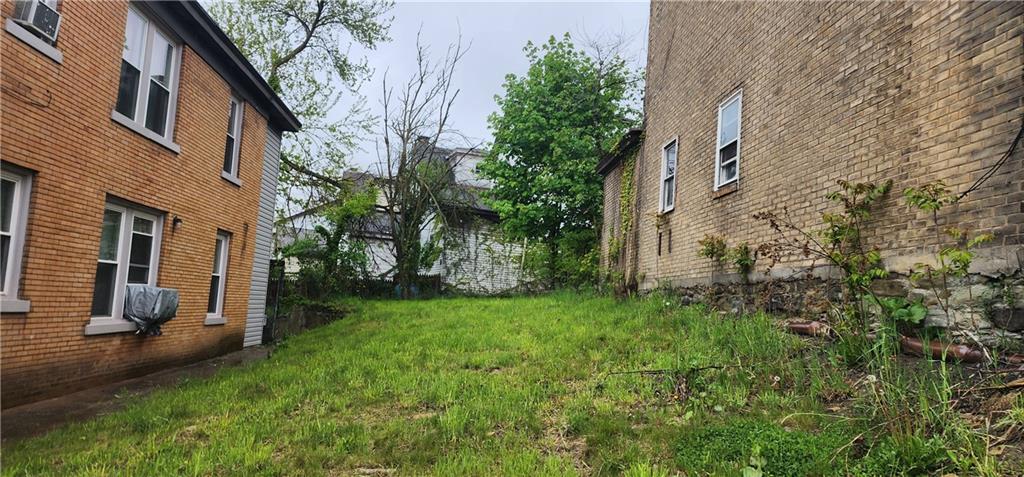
(215, 304)
(149, 75)
(129, 254)
(669, 153)
(232, 145)
(15, 189)
(727, 155)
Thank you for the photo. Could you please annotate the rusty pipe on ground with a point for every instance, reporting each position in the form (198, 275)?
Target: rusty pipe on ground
(809, 328)
(913, 346)
(939, 350)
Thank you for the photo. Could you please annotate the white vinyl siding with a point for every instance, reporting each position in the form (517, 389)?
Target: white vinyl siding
(727, 153)
(263, 252)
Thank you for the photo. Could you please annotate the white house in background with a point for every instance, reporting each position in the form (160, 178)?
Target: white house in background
(484, 263)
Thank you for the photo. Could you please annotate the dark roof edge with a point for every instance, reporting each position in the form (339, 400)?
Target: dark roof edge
(629, 142)
(191, 22)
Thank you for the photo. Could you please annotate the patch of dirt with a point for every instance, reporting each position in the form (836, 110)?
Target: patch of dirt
(423, 415)
(557, 440)
(375, 471)
(192, 434)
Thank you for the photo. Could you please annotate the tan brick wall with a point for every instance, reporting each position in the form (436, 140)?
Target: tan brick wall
(611, 226)
(860, 91)
(56, 122)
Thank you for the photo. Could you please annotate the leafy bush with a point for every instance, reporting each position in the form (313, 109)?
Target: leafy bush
(332, 260)
(742, 257)
(726, 448)
(713, 247)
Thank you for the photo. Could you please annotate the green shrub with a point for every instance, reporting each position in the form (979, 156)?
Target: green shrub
(727, 448)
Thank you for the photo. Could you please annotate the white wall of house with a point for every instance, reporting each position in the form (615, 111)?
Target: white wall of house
(485, 264)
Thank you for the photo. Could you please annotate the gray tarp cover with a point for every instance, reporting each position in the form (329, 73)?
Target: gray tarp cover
(149, 307)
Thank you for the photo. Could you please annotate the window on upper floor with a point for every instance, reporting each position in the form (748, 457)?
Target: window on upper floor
(37, 23)
(727, 154)
(215, 304)
(149, 73)
(15, 190)
(669, 153)
(129, 254)
(234, 138)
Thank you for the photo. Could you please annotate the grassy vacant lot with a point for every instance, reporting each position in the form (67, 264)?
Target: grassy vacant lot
(555, 385)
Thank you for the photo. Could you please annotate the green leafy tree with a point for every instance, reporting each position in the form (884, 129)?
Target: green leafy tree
(302, 48)
(332, 260)
(554, 124)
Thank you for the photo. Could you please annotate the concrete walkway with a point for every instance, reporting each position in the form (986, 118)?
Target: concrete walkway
(39, 417)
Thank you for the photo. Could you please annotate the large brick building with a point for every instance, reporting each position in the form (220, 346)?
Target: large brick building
(139, 147)
(760, 106)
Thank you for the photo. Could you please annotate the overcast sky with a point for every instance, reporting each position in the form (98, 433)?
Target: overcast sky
(497, 32)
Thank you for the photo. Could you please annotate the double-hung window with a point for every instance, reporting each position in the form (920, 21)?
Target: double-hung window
(129, 254)
(669, 153)
(14, 197)
(232, 144)
(215, 304)
(727, 154)
(149, 75)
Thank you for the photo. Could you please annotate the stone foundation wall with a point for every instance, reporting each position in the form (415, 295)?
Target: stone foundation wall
(986, 306)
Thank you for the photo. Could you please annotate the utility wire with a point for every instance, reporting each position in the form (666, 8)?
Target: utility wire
(989, 173)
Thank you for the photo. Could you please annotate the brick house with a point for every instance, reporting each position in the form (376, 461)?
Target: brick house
(139, 147)
(756, 106)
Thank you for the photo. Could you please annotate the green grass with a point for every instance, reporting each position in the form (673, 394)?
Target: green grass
(504, 386)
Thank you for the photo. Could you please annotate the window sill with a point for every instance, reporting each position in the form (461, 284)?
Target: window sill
(140, 129)
(725, 189)
(27, 37)
(215, 320)
(12, 305)
(107, 325)
(230, 178)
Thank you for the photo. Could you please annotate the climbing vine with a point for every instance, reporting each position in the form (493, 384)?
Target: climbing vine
(627, 194)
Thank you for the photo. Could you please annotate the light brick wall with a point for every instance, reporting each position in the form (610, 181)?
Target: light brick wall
(56, 122)
(611, 226)
(860, 91)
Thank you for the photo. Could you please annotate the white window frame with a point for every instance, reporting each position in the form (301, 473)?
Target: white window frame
(737, 96)
(665, 194)
(10, 301)
(138, 123)
(115, 323)
(235, 132)
(221, 270)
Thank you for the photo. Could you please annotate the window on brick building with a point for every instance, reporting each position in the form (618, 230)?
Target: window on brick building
(15, 189)
(727, 155)
(37, 24)
(215, 304)
(668, 175)
(234, 138)
(129, 254)
(149, 75)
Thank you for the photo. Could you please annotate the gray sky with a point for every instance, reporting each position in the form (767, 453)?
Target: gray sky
(497, 32)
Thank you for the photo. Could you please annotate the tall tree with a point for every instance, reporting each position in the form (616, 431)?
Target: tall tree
(554, 124)
(423, 205)
(302, 48)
